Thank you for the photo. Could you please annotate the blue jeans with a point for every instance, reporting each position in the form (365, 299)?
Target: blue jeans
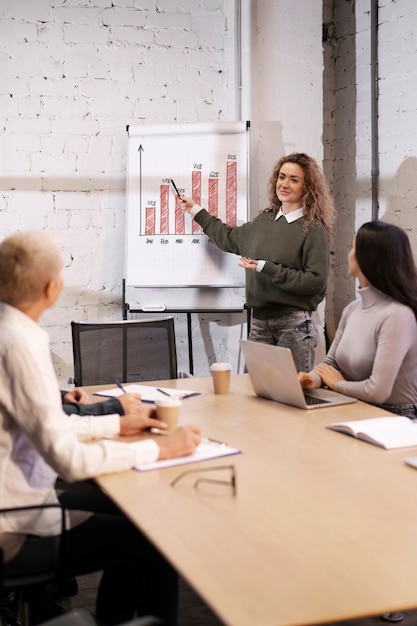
(296, 331)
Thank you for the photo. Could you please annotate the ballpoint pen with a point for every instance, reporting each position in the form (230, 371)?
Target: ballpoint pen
(164, 392)
(209, 440)
(178, 397)
(119, 384)
(159, 431)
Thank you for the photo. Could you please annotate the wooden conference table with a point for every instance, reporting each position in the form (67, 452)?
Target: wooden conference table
(323, 527)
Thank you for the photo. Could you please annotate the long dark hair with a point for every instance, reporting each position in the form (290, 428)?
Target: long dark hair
(384, 255)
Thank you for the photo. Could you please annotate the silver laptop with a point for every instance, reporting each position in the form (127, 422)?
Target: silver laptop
(273, 376)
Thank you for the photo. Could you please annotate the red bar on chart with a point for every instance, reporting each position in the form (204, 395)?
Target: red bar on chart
(164, 200)
(196, 186)
(231, 193)
(179, 217)
(149, 220)
(196, 195)
(213, 196)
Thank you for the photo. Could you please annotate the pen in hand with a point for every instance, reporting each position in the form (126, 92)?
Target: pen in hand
(119, 384)
(208, 440)
(212, 441)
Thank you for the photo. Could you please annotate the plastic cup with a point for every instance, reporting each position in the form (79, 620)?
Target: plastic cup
(220, 373)
(168, 411)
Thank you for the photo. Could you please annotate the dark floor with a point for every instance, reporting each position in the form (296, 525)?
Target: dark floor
(193, 612)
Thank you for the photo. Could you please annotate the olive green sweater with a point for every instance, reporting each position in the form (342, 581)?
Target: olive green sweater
(295, 273)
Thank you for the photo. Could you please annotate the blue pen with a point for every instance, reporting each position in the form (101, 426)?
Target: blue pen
(119, 384)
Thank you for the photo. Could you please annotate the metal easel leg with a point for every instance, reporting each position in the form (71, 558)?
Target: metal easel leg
(190, 344)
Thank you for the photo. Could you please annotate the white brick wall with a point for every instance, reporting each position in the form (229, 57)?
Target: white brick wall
(75, 74)
(73, 77)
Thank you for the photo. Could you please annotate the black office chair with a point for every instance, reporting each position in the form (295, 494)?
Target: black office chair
(126, 350)
(23, 589)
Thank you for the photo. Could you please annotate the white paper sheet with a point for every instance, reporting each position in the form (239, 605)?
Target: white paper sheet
(204, 452)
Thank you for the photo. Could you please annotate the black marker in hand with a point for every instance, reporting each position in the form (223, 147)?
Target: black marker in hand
(176, 188)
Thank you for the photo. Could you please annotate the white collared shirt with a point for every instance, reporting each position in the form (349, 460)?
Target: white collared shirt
(292, 215)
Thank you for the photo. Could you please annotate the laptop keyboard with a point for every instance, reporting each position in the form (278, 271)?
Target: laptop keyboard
(312, 400)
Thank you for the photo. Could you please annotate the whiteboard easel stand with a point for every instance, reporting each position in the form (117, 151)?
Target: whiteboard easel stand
(126, 310)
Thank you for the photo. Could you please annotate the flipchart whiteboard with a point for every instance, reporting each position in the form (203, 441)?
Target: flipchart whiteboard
(208, 162)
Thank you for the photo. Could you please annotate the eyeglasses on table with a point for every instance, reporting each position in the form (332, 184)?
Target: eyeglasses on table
(231, 481)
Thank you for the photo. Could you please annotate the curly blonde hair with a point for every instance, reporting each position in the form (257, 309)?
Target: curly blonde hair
(317, 201)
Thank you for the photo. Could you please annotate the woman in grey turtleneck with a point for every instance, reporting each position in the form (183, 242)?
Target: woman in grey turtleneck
(374, 354)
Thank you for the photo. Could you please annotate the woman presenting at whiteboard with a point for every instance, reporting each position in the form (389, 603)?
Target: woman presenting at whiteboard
(285, 252)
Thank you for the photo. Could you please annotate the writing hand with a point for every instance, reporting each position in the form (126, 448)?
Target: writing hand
(76, 395)
(186, 204)
(306, 381)
(182, 442)
(131, 403)
(248, 264)
(329, 375)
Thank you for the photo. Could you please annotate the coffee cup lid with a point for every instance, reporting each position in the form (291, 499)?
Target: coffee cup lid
(220, 366)
(168, 402)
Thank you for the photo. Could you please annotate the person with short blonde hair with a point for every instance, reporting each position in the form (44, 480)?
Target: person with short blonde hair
(28, 261)
(38, 442)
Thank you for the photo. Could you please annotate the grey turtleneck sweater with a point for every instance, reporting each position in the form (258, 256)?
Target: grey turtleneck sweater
(375, 348)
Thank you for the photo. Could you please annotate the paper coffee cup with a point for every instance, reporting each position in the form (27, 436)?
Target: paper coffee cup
(168, 411)
(220, 373)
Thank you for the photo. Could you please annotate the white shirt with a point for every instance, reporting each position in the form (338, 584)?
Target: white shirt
(37, 440)
(291, 216)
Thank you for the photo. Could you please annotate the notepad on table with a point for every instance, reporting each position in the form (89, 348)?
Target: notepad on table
(148, 393)
(386, 432)
(203, 452)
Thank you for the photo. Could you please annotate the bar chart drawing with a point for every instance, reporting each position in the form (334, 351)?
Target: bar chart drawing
(208, 162)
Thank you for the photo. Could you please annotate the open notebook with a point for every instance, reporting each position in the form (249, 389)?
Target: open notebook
(273, 376)
(387, 432)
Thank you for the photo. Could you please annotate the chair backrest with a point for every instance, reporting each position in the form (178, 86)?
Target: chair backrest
(22, 574)
(126, 350)
(33, 573)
